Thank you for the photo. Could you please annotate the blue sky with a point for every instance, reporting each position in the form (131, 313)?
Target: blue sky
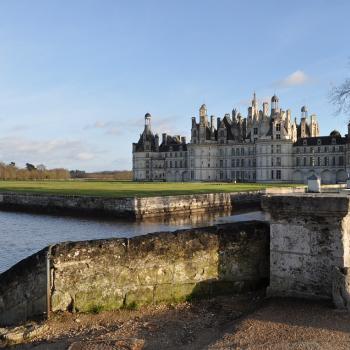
(77, 76)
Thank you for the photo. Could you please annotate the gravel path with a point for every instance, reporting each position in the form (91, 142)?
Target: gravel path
(248, 322)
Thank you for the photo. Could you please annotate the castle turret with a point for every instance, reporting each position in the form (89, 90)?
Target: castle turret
(148, 122)
(274, 104)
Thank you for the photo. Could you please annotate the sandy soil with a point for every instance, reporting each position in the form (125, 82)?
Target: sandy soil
(246, 322)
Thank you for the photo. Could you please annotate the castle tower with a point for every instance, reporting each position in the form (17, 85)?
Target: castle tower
(304, 112)
(274, 104)
(148, 118)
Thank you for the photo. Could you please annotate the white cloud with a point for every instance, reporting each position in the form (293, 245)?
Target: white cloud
(296, 78)
(53, 153)
(85, 156)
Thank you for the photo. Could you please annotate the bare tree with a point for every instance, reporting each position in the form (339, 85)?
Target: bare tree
(340, 97)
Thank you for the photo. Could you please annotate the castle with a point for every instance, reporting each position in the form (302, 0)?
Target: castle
(266, 146)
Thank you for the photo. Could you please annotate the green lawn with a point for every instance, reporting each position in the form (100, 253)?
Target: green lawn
(127, 188)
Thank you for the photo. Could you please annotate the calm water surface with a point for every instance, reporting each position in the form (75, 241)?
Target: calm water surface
(24, 234)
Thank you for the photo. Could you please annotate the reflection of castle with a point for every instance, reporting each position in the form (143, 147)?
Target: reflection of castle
(266, 146)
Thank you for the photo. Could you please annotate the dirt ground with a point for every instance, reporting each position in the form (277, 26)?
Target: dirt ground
(245, 322)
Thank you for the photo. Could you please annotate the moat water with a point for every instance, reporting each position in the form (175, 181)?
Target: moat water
(24, 234)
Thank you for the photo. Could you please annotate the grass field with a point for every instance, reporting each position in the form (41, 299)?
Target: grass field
(127, 188)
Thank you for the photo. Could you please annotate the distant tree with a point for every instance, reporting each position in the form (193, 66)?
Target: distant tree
(41, 167)
(12, 164)
(30, 167)
(77, 174)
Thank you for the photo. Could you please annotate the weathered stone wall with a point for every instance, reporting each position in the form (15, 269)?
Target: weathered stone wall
(115, 207)
(310, 234)
(120, 207)
(160, 267)
(23, 290)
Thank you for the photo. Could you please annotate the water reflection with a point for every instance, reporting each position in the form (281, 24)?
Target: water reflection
(23, 234)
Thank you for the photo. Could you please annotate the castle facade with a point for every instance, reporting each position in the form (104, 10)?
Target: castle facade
(266, 146)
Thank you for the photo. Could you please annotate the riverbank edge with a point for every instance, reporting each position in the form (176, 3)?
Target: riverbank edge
(134, 208)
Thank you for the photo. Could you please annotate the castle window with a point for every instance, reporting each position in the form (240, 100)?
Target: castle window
(272, 162)
(326, 161)
(318, 149)
(278, 174)
(326, 149)
(242, 151)
(319, 141)
(233, 163)
(304, 161)
(272, 174)
(318, 161)
(242, 163)
(278, 150)
(334, 141)
(232, 152)
(278, 161)
(278, 127)
(341, 160)
(237, 162)
(304, 142)
(221, 163)
(271, 148)
(312, 161)
(255, 131)
(333, 161)
(278, 137)
(340, 148)
(298, 161)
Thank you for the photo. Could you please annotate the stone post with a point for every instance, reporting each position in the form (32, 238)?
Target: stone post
(313, 184)
(309, 238)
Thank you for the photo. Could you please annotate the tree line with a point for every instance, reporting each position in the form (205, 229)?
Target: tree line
(31, 172)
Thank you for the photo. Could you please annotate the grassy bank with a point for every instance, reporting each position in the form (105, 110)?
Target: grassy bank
(127, 188)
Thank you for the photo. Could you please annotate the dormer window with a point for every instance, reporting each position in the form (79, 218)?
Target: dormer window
(334, 141)
(222, 133)
(304, 142)
(278, 127)
(255, 131)
(319, 141)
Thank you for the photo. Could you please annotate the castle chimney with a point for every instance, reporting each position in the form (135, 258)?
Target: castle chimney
(218, 122)
(193, 121)
(156, 139)
(212, 121)
(183, 140)
(164, 138)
